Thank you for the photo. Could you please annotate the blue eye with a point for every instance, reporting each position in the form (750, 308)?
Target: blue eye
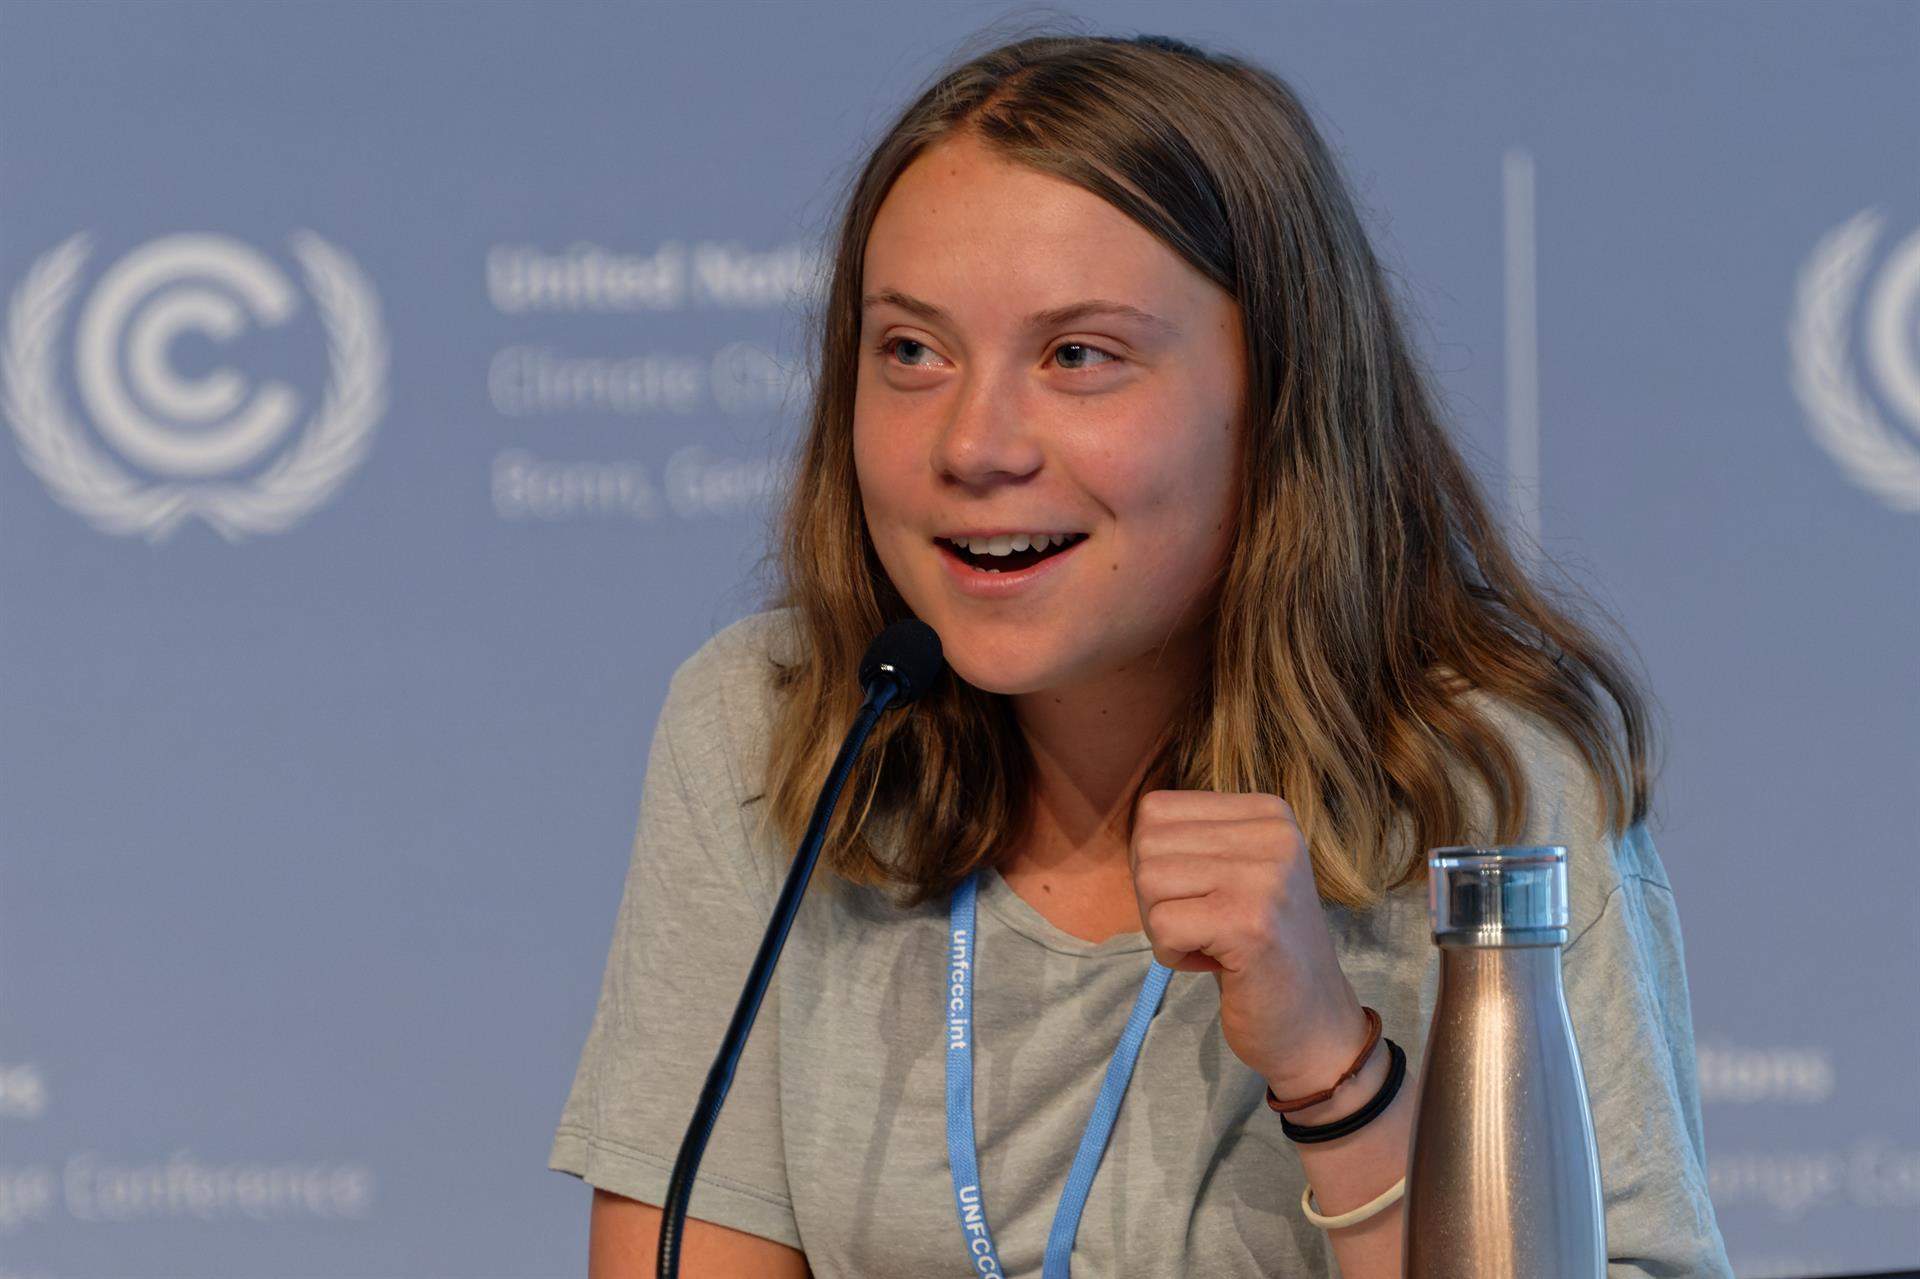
(886, 348)
(1111, 358)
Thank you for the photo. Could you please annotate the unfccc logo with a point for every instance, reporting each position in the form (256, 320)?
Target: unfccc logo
(189, 432)
(1844, 419)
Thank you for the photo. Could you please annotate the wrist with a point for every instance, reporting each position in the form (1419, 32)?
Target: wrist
(1325, 1064)
(1349, 1096)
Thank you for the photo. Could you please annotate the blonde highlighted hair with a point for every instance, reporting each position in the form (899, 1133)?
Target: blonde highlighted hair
(1367, 587)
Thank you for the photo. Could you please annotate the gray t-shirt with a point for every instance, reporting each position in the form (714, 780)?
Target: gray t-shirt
(833, 1137)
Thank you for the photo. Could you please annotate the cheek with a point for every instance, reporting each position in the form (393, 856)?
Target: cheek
(1163, 473)
(885, 478)
(869, 458)
(1176, 497)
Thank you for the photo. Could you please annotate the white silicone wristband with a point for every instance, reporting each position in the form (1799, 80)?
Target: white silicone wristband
(1357, 1215)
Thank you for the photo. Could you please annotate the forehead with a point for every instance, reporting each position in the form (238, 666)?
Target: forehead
(960, 220)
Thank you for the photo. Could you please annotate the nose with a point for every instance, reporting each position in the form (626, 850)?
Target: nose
(988, 436)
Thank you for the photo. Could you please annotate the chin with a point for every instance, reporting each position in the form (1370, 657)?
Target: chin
(993, 669)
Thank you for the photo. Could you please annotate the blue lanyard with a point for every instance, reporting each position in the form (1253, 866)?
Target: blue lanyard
(961, 1158)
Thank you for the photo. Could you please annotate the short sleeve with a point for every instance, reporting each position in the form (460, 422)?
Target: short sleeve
(1625, 977)
(691, 917)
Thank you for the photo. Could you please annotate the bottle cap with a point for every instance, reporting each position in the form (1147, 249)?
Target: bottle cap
(1504, 895)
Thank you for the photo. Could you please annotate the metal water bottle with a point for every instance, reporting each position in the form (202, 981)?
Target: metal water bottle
(1503, 1181)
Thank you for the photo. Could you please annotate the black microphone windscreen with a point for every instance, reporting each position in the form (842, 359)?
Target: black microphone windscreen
(912, 649)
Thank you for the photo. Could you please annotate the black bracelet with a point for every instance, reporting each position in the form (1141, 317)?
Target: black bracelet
(1396, 1071)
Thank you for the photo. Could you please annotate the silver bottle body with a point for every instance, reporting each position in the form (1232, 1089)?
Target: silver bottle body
(1503, 1181)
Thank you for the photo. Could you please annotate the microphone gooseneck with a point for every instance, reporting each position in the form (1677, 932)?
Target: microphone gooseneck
(901, 664)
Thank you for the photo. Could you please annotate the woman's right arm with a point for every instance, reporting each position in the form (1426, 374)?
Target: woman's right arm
(624, 1240)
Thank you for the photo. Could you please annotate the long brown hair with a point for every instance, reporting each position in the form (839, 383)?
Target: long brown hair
(1368, 586)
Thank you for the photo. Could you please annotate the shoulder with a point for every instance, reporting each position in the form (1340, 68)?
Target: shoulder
(738, 658)
(1563, 807)
(720, 699)
(715, 727)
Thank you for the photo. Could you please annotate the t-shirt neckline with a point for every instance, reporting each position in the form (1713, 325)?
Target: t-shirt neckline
(1013, 910)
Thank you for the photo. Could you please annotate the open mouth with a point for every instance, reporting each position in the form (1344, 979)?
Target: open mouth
(1013, 561)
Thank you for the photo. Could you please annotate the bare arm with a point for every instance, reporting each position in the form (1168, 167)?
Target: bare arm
(624, 1236)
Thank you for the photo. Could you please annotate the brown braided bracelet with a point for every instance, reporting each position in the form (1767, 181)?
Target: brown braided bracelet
(1301, 1103)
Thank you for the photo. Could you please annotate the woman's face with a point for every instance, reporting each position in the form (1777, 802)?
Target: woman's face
(989, 417)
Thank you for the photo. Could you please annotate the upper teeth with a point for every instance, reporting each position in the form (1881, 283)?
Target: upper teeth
(1008, 543)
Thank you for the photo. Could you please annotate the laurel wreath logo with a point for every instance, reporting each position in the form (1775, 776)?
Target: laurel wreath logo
(1843, 418)
(89, 482)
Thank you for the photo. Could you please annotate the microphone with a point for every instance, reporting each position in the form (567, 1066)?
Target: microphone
(908, 652)
(901, 664)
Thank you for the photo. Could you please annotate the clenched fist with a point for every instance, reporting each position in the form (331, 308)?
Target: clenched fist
(1225, 886)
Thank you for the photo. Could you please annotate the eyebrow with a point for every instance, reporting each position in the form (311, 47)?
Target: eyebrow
(1047, 319)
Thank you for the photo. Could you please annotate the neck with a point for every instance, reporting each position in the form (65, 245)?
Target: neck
(1091, 744)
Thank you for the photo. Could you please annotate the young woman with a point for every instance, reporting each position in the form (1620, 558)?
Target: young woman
(1112, 394)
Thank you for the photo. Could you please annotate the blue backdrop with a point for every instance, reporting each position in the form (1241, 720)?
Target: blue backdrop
(391, 393)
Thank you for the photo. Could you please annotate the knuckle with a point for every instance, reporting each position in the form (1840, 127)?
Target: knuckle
(1164, 918)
